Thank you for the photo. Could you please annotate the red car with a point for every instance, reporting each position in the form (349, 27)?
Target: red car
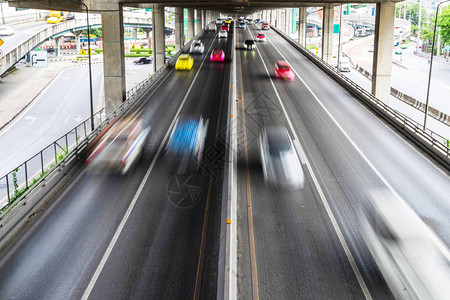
(217, 55)
(265, 26)
(261, 37)
(225, 27)
(283, 70)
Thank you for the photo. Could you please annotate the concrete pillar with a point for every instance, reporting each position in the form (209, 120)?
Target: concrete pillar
(302, 26)
(198, 24)
(382, 55)
(179, 28)
(147, 32)
(134, 33)
(203, 19)
(57, 45)
(327, 33)
(159, 38)
(191, 23)
(286, 21)
(113, 59)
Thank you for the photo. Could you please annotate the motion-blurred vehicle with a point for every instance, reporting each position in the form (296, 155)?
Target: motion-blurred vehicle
(242, 25)
(143, 61)
(219, 21)
(211, 27)
(225, 27)
(250, 45)
(249, 21)
(184, 62)
(371, 48)
(5, 30)
(217, 55)
(186, 143)
(223, 34)
(261, 37)
(228, 21)
(197, 47)
(258, 21)
(55, 16)
(280, 162)
(283, 70)
(265, 26)
(121, 146)
(412, 260)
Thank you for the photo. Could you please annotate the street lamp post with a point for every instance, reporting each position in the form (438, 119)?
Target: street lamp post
(90, 67)
(431, 65)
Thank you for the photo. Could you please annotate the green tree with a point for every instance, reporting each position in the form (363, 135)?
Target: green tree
(444, 24)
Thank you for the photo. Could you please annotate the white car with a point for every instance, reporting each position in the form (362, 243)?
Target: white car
(223, 34)
(219, 21)
(211, 27)
(260, 37)
(197, 47)
(5, 30)
(280, 161)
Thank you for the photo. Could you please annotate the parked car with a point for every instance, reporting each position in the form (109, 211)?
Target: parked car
(143, 61)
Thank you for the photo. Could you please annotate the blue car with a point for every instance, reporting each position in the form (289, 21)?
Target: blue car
(242, 25)
(186, 143)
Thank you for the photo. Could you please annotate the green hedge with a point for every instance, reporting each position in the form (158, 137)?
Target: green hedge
(137, 55)
(309, 47)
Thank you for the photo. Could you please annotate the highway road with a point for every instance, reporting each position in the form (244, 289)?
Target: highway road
(166, 249)
(109, 237)
(21, 34)
(306, 244)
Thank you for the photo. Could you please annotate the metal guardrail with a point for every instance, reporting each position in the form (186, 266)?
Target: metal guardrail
(20, 181)
(435, 144)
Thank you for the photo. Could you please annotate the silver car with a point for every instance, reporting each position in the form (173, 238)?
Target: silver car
(197, 47)
(280, 162)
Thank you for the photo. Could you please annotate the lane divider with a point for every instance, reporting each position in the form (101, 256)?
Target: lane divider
(113, 242)
(324, 200)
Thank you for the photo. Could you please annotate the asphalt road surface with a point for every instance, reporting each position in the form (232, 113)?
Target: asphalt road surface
(166, 250)
(306, 244)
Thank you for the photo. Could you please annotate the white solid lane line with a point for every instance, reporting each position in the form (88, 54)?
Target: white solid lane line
(113, 242)
(333, 220)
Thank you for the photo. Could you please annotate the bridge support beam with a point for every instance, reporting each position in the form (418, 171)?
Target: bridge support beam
(58, 45)
(327, 33)
(159, 38)
(179, 28)
(113, 59)
(191, 23)
(382, 55)
(302, 26)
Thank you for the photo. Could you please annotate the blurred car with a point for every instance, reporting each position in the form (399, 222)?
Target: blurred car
(228, 21)
(211, 27)
(265, 26)
(223, 34)
(261, 37)
(218, 21)
(249, 21)
(186, 143)
(413, 262)
(184, 62)
(283, 70)
(225, 27)
(242, 25)
(217, 55)
(398, 51)
(197, 47)
(5, 30)
(280, 162)
(143, 61)
(121, 146)
(250, 45)
(371, 48)
(50, 50)
(258, 21)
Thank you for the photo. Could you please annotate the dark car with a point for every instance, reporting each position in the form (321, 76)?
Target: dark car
(143, 61)
(250, 44)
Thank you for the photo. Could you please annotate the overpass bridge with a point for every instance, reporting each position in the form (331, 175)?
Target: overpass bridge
(107, 236)
(11, 57)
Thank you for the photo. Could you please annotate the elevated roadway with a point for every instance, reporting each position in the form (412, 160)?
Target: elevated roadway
(291, 244)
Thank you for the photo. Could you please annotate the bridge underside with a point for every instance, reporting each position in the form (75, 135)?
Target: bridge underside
(231, 6)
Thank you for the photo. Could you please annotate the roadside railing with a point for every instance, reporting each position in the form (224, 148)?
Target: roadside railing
(435, 144)
(17, 183)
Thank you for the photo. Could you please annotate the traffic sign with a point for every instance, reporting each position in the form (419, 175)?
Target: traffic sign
(83, 52)
(38, 58)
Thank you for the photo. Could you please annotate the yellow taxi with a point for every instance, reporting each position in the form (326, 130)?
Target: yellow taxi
(228, 21)
(184, 62)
